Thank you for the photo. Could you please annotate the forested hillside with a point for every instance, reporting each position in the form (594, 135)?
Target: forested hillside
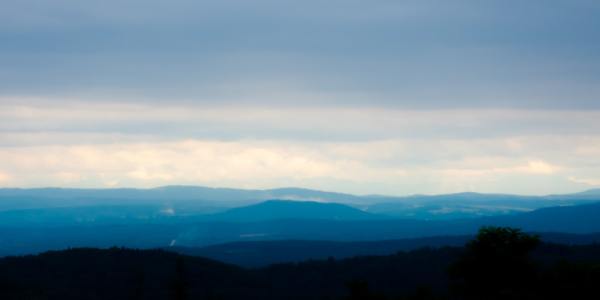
(501, 263)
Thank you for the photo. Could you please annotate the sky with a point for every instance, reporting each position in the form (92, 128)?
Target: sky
(365, 97)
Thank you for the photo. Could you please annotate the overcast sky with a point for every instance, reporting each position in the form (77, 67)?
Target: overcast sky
(388, 97)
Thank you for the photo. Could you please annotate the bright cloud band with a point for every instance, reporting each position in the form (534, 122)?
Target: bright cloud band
(347, 149)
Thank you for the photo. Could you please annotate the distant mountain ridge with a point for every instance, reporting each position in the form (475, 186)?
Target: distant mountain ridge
(287, 209)
(33, 220)
(18, 238)
(592, 192)
(128, 214)
(186, 200)
(196, 198)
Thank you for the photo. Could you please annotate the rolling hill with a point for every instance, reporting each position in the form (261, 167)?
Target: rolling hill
(118, 273)
(335, 223)
(287, 209)
(194, 200)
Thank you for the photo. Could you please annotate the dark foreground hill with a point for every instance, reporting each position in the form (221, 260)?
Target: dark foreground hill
(152, 274)
(558, 272)
(264, 253)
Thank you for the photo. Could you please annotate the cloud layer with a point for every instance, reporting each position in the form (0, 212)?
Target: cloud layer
(394, 97)
(409, 54)
(347, 149)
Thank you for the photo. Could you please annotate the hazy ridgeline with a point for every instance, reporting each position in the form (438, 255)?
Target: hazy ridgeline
(35, 220)
(200, 243)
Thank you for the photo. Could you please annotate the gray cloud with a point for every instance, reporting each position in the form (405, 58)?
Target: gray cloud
(532, 54)
(306, 124)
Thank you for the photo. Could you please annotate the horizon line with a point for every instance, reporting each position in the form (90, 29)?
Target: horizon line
(289, 187)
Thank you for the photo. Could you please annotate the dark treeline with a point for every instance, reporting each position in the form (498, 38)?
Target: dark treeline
(500, 263)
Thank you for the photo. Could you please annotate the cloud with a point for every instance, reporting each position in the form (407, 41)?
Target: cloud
(539, 167)
(4, 177)
(142, 174)
(586, 181)
(536, 167)
(68, 177)
(407, 54)
(366, 150)
(392, 166)
(63, 121)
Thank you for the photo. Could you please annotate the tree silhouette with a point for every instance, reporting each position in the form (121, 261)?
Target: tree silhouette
(359, 290)
(496, 265)
(180, 284)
